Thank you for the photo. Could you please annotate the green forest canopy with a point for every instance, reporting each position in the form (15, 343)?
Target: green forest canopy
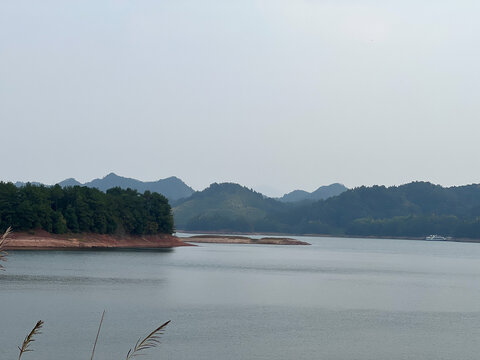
(416, 209)
(81, 210)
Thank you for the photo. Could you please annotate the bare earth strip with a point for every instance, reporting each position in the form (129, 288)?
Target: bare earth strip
(42, 240)
(219, 239)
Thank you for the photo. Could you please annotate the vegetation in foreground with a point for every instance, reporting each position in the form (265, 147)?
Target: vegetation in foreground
(152, 340)
(3, 243)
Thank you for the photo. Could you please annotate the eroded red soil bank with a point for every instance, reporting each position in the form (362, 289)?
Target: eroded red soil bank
(42, 240)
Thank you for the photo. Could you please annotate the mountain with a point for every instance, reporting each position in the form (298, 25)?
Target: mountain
(226, 206)
(416, 209)
(69, 182)
(323, 192)
(172, 188)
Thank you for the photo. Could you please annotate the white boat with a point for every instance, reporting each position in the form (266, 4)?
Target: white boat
(435, 238)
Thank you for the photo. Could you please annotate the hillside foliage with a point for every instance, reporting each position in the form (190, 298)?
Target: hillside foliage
(80, 209)
(415, 209)
(227, 206)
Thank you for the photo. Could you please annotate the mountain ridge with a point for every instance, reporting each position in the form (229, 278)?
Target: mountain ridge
(172, 187)
(322, 193)
(416, 209)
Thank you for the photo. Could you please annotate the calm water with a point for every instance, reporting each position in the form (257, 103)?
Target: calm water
(337, 299)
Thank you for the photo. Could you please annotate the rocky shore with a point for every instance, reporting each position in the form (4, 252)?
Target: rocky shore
(228, 239)
(42, 240)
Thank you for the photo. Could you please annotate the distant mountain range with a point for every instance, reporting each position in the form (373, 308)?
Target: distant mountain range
(322, 193)
(175, 189)
(172, 188)
(231, 207)
(416, 209)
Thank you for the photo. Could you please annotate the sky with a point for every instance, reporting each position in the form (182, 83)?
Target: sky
(274, 95)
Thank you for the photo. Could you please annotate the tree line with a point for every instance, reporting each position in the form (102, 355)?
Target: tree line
(80, 209)
(416, 209)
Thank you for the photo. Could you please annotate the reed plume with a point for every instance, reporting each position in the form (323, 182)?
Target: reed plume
(30, 339)
(3, 242)
(150, 341)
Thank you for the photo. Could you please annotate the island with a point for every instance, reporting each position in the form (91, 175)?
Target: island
(234, 239)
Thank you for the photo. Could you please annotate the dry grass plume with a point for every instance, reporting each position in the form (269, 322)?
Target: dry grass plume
(29, 339)
(150, 341)
(3, 243)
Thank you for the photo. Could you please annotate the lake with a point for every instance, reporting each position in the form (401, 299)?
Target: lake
(339, 298)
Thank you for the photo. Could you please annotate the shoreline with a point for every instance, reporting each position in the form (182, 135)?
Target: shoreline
(42, 240)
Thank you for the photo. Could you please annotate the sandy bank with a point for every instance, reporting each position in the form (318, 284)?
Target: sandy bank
(42, 240)
(219, 239)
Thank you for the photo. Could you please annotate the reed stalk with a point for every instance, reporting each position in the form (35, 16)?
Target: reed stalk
(98, 333)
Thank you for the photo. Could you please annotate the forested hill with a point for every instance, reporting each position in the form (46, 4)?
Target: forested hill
(414, 209)
(322, 193)
(82, 209)
(226, 207)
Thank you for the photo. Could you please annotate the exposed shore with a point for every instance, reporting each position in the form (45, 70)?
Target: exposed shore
(234, 234)
(42, 240)
(221, 239)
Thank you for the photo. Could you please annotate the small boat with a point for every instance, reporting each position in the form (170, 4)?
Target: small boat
(435, 238)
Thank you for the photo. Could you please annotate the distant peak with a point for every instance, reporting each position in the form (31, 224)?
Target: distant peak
(171, 178)
(112, 174)
(69, 182)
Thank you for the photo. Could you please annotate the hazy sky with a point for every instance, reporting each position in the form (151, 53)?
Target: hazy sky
(285, 94)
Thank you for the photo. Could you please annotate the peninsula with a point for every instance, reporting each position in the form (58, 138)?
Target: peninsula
(231, 239)
(42, 240)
